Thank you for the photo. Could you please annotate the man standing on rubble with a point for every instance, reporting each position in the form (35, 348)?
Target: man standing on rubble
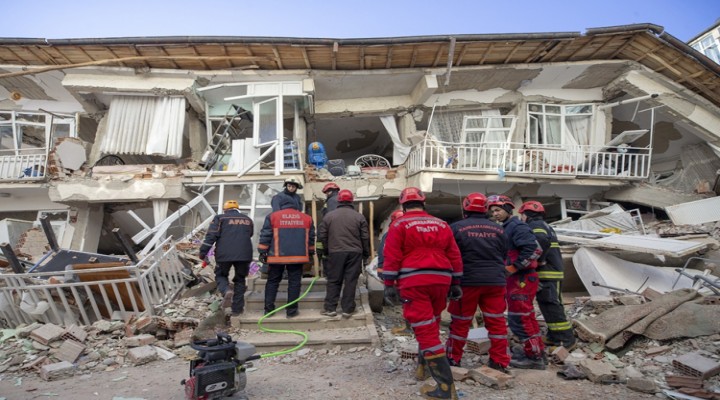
(550, 273)
(331, 190)
(422, 269)
(483, 246)
(345, 236)
(230, 232)
(289, 193)
(287, 242)
(522, 283)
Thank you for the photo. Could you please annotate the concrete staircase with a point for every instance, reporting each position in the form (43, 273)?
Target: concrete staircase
(323, 331)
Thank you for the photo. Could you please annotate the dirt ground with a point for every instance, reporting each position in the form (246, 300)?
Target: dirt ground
(316, 375)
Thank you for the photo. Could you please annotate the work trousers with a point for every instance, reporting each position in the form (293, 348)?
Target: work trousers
(422, 306)
(491, 300)
(342, 276)
(275, 275)
(521, 289)
(549, 299)
(222, 272)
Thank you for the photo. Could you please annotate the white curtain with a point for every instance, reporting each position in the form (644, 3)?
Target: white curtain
(578, 130)
(145, 125)
(400, 149)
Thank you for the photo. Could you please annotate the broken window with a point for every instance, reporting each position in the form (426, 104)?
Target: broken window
(556, 125)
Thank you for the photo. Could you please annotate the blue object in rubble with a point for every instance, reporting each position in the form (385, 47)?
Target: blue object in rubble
(317, 155)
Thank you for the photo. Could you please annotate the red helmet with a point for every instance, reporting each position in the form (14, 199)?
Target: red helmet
(411, 194)
(345, 196)
(330, 186)
(475, 202)
(499, 200)
(533, 205)
(396, 214)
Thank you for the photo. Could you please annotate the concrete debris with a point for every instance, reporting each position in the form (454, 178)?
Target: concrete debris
(492, 378)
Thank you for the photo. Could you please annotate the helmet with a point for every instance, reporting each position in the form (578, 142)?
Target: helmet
(499, 200)
(534, 206)
(345, 196)
(475, 202)
(230, 204)
(411, 194)
(293, 181)
(330, 186)
(396, 214)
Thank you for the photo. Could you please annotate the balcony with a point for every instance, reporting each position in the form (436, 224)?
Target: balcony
(27, 164)
(521, 159)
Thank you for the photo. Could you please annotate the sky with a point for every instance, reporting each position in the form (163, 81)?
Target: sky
(340, 19)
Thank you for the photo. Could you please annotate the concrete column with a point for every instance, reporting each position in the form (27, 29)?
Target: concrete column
(88, 228)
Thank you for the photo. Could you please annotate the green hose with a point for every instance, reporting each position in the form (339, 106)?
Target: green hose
(303, 334)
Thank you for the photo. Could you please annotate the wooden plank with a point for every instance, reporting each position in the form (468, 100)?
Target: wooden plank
(122, 290)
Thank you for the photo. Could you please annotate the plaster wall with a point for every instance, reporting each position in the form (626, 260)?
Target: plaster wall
(88, 228)
(106, 190)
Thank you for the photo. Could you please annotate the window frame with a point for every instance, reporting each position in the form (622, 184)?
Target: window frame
(563, 116)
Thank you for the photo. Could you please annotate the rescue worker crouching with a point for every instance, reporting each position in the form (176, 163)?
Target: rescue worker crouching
(230, 232)
(422, 269)
(483, 246)
(522, 283)
(551, 274)
(287, 242)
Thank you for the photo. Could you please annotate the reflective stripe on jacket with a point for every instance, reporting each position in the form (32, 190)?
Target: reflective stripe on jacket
(288, 236)
(421, 250)
(550, 264)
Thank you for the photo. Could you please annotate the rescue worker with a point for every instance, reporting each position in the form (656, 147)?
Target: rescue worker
(522, 283)
(345, 236)
(483, 246)
(287, 243)
(331, 190)
(381, 258)
(550, 273)
(230, 232)
(290, 188)
(422, 269)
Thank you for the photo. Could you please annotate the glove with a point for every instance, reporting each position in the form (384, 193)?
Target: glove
(455, 292)
(311, 253)
(321, 253)
(392, 297)
(510, 269)
(204, 264)
(263, 257)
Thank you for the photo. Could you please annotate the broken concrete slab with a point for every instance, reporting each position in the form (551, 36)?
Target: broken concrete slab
(56, 371)
(139, 340)
(598, 371)
(71, 154)
(643, 385)
(651, 196)
(142, 355)
(47, 333)
(695, 212)
(459, 373)
(492, 378)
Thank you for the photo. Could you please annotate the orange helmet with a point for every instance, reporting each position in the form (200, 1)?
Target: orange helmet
(345, 196)
(396, 214)
(499, 200)
(230, 204)
(411, 194)
(475, 202)
(534, 206)
(330, 186)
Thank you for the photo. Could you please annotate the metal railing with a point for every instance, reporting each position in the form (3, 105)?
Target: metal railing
(80, 297)
(524, 159)
(23, 166)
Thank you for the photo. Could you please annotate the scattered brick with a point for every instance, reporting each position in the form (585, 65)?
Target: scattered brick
(559, 355)
(459, 373)
(492, 378)
(139, 340)
(56, 371)
(47, 333)
(142, 355)
(677, 381)
(70, 351)
(76, 333)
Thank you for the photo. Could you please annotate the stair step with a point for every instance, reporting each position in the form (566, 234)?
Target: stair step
(309, 318)
(317, 339)
(257, 284)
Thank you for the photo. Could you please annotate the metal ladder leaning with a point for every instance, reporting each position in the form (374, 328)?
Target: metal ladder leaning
(221, 140)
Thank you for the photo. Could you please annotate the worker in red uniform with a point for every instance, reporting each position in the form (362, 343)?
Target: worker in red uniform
(550, 273)
(522, 283)
(483, 246)
(422, 269)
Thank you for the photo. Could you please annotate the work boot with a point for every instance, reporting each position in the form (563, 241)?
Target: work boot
(569, 345)
(329, 313)
(421, 372)
(404, 330)
(528, 363)
(440, 371)
(497, 367)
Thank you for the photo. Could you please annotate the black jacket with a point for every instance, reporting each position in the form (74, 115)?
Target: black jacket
(345, 230)
(331, 203)
(483, 246)
(230, 232)
(550, 264)
(279, 200)
(523, 249)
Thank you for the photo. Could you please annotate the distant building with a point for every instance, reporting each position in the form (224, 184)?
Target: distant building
(708, 42)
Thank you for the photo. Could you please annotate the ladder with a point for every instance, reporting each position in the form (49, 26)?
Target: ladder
(221, 140)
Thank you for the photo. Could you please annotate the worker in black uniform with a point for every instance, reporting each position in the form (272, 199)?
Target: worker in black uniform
(550, 273)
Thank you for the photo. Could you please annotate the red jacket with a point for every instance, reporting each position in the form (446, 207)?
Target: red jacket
(421, 250)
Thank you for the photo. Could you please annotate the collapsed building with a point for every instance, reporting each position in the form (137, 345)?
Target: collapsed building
(149, 136)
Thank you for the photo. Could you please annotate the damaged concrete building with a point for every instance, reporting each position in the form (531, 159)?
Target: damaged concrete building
(150, 135)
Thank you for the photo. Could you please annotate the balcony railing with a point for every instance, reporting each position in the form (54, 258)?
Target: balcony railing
(23, 166)
(524, 159)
